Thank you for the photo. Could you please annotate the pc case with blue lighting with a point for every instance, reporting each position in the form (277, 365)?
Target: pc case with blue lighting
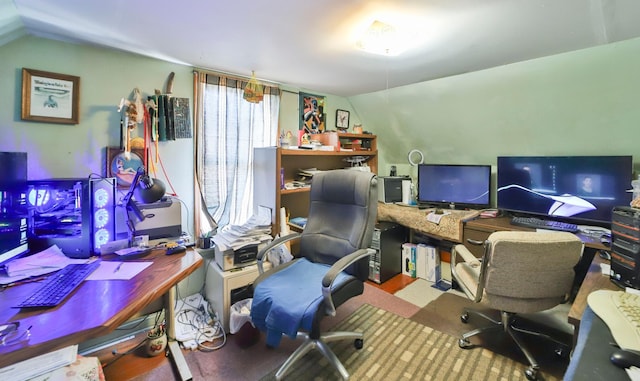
(77, 215)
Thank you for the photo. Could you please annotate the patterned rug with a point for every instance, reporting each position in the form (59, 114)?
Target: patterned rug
(396, 348)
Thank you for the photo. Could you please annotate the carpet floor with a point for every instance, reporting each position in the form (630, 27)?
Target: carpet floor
(437, 326)
(401, 349)
(443, 314)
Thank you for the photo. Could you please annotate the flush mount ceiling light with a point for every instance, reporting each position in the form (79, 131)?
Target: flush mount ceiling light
(381, 38)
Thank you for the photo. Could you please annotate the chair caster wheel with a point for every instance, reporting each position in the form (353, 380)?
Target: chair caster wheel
(464, 317)
(358, 343)
(464, 343)
(531, 374)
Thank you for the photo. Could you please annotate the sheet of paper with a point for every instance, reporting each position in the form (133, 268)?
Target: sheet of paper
(44, 262)
(110, 270)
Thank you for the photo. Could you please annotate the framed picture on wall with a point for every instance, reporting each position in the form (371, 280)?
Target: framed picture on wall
(50, 97)
(123, 166)
(342, 119)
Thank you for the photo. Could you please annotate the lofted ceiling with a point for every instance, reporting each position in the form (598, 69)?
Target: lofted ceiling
(312, 44)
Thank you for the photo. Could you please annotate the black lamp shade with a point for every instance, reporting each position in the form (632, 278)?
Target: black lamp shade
(149, 190)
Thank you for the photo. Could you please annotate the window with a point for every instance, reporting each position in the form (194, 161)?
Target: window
(227, 130)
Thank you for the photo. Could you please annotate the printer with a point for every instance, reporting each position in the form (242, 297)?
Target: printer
(229, 259)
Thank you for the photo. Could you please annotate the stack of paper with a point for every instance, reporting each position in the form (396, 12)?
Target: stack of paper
(255, 231)
(44, 262)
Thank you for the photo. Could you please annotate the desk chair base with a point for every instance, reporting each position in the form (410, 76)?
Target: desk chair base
(508, 325)
(321, 344)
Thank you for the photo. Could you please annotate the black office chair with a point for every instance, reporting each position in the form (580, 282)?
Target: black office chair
(331, 266)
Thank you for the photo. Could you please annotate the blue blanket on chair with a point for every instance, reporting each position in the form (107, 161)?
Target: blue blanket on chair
(286, 301)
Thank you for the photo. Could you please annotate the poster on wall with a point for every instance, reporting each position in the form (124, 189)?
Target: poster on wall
(312, 118)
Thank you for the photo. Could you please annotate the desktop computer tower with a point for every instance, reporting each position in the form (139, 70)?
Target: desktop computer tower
(387, 241)
(625, 246)
(77, 215)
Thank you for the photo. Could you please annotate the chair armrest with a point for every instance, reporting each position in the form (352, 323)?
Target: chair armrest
(271, 245)
(467, 256)
(475, 264)
(336, 269)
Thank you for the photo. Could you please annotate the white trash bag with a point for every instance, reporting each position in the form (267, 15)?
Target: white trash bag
(239, 314)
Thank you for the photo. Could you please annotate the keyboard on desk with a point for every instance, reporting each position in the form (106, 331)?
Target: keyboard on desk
(538, 223)
(59, 285)
(621, 312)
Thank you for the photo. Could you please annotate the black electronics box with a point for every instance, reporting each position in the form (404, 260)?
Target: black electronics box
(387, 241)
(390, 189)
(625, 246)
(76, 214)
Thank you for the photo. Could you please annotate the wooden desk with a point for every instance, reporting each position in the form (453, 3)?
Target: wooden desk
(593, 280)
(95, 308)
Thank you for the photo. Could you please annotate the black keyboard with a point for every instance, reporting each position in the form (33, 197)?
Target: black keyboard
(538, 223)
(59, 285)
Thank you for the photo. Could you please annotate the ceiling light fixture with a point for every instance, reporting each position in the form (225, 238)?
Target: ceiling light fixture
(381, 38)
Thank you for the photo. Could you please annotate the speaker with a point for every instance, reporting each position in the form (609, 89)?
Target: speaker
(390, 189)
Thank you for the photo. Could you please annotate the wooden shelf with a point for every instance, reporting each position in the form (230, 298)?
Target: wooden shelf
(271, 164)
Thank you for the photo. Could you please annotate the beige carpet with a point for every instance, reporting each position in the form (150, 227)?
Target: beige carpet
(396, 348)
(443, 314)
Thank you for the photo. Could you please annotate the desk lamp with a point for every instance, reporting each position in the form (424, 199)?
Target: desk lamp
(144, 189)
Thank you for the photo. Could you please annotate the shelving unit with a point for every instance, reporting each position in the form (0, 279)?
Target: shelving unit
(272, 162)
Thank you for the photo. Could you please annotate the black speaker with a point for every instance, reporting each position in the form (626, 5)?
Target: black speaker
(625, 246)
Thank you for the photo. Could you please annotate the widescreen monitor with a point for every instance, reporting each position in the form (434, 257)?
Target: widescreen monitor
(454, 185)
(573, 188)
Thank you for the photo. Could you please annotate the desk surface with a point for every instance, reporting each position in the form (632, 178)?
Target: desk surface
(504, 223)
(594, 280)
(449, 228)
(94, 309)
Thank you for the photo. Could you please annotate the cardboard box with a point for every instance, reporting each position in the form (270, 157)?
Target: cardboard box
(409, 259)
(433, 265)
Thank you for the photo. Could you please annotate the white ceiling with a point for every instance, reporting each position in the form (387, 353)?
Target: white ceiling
(311, 44)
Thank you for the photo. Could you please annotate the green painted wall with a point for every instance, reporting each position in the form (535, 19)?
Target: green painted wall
(106, 76)
(579, 103)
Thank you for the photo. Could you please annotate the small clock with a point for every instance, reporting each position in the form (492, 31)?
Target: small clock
(342, 119)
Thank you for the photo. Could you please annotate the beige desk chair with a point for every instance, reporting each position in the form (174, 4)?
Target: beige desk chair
(520, 272)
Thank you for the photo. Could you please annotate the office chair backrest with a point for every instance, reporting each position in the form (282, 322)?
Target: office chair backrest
(530, 271)
(341, 219)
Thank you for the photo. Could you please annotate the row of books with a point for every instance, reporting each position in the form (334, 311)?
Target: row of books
(421, 261)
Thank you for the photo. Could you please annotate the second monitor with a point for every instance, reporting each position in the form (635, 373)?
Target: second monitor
(455, 185)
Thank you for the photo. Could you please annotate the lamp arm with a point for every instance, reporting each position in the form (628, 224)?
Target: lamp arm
(127, 200)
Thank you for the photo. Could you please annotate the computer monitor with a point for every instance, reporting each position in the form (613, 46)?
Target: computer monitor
(573, 188)
(13, 206)
(455, 185)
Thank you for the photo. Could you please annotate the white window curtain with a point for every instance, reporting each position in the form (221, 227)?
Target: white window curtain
(228, 128)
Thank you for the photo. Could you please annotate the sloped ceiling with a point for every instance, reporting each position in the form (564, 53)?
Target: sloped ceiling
(312, 45)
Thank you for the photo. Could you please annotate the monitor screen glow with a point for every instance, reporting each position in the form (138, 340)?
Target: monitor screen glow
(459, 185)
(575, 188)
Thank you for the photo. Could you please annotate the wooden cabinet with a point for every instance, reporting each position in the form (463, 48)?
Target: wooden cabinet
(274, 166)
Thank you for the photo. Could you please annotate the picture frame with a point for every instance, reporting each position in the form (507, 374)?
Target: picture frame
(123, 168)
(50, 97)
(312, 119)
(342, 119)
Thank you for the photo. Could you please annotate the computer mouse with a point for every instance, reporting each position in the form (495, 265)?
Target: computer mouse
(625, 358)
